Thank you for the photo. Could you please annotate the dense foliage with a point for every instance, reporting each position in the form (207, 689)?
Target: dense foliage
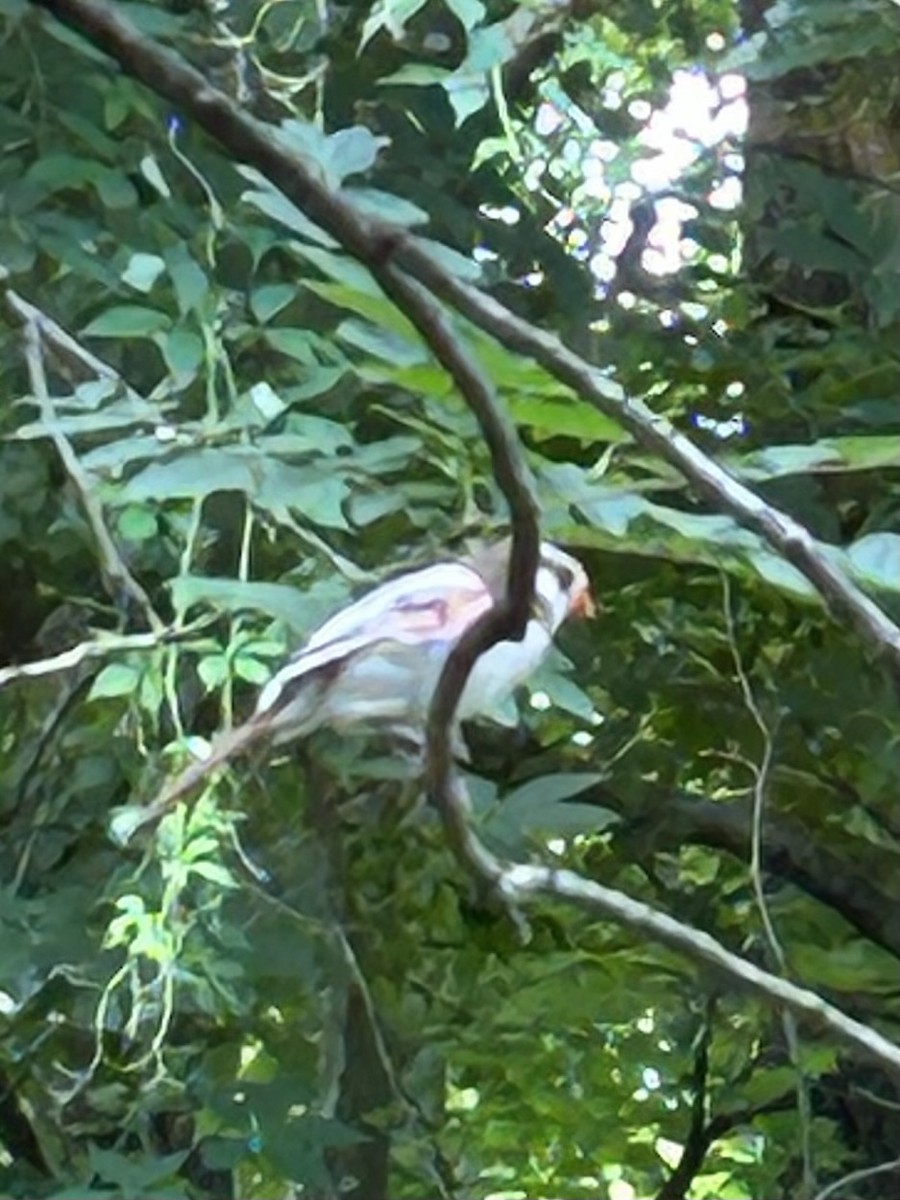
(216, 430)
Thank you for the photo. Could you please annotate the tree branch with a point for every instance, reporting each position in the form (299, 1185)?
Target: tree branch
(655, 433)
(374, 242)
(865, 1172)
(523, 883)
(67, 349)
(106, 646)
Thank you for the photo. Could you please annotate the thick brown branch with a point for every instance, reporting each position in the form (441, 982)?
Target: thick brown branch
(507, 461)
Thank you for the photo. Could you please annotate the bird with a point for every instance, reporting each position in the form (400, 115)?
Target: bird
(376, 663)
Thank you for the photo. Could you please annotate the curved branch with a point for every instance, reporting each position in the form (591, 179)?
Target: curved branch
(507, 460)
(865, 1172)
(375, 242)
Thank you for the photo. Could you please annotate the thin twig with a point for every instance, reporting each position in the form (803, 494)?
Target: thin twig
(761, 775)
(104, 647)
(375, 242)
(857, 1177)
(117, 578)
(66, 348)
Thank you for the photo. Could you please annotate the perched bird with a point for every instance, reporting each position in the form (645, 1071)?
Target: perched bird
(377, 662)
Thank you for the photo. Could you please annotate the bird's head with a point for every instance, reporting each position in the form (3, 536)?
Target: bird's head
(570, 578)
(562, 588)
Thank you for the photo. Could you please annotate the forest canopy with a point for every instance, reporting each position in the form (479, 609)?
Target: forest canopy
(297, 296)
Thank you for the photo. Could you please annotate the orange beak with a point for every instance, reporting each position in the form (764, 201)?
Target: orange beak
(584, 604)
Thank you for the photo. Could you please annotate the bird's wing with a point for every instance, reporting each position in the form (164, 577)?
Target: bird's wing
(436, 604)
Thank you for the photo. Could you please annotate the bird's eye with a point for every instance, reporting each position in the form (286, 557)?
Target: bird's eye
(565, 576)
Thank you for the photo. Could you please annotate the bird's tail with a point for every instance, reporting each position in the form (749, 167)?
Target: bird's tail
(225, 747)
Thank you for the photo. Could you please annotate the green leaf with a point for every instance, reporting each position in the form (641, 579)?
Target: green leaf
(266, 400)
(469, 13)
(305, 433)
(543, 807)
(548, 790)
(142, 271)
(152, 172)
(188, 279)
(316, 492)
(354, 277)
(137, 524)
(116, 679)
(183, 351)
(781, 574)
(213, 671)
(373, 308)
(417, 75)
(214, 873)
(425, 379)
(491, 47)
(316, 381)
(387, 207)
(558, 416)
(127, 320)
(270, 299)
(390, 15)
(295, 343)
(251, 670)
(336, 156)
(299, 610)
(134, 1175)
(454, 262)
(467, 93)
(116, 190)
(830, 454)
(875, 560)
(276, 206)
(382, 343)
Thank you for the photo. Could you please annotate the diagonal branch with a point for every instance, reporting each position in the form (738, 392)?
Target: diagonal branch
(523, 883)
(511, 615)
(67, 350)
(105, 646)
(788, 537)
(375, 242)
(118, 580)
